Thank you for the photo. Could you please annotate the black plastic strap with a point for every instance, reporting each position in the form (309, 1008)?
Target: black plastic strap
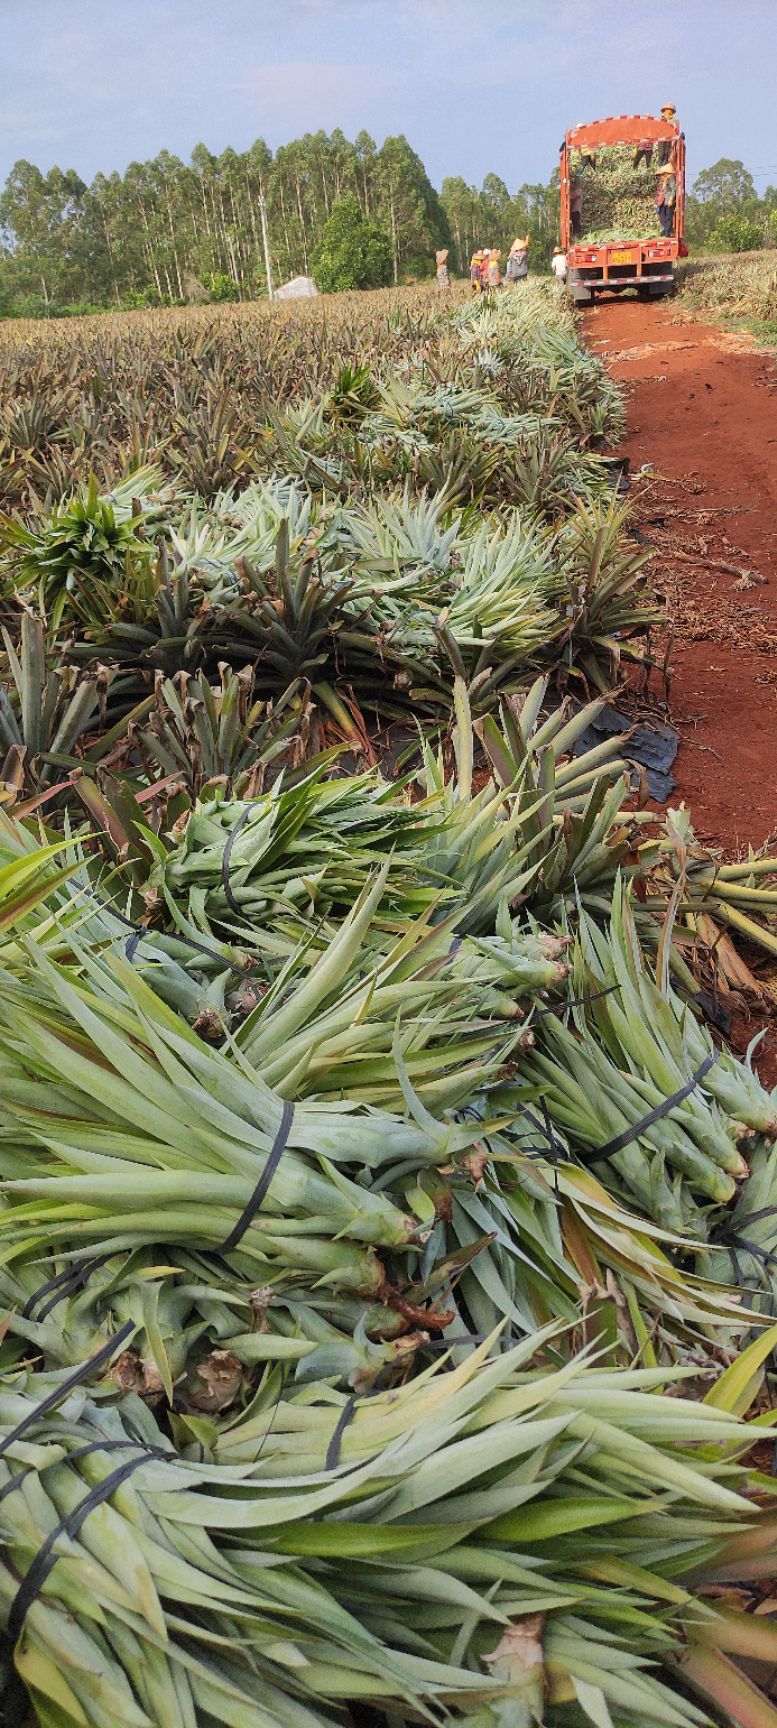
(553, 1149)
(139, 931)
(273, 1160)
(556, 1148)
(82, 1452)
(45, 1559)
(333, 1449)
(663, 1109)
(766, 1260)
(739, 1277)
(575, 1002)
(62, 1284)
(457, 1343)
(731, 1238)
(754, 1218)
(270, 1426)
(16, 1481)
(79, 1374)
(767, 1256)
(225, 882)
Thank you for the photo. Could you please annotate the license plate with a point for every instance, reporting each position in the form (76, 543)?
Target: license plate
(621, 257)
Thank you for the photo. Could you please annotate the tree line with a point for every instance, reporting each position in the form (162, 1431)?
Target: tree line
(168, 231)
(725, 212)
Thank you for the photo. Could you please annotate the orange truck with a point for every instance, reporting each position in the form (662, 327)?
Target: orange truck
(647, 265)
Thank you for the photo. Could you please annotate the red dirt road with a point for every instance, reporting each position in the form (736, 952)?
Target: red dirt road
(703, 413)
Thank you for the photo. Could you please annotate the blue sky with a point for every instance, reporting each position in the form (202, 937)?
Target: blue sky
(476, 85)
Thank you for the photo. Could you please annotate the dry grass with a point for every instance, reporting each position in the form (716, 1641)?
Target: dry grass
(741, 287)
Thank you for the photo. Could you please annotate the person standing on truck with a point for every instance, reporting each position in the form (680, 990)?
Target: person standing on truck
(576, 206)
(664, 146)
(643, 153)
(558, 264)
(666, 198)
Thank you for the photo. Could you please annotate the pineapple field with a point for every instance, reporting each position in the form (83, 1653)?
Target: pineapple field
(388, 1236)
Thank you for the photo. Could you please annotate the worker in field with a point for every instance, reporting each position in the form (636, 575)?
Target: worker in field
(443, 273)
(485, 259)
(666, 198)
(558, 264)
(475, 271)
(664, 146)
(494, 269)
(517, 269)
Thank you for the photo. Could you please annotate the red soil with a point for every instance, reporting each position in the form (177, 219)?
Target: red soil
(703, 412)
